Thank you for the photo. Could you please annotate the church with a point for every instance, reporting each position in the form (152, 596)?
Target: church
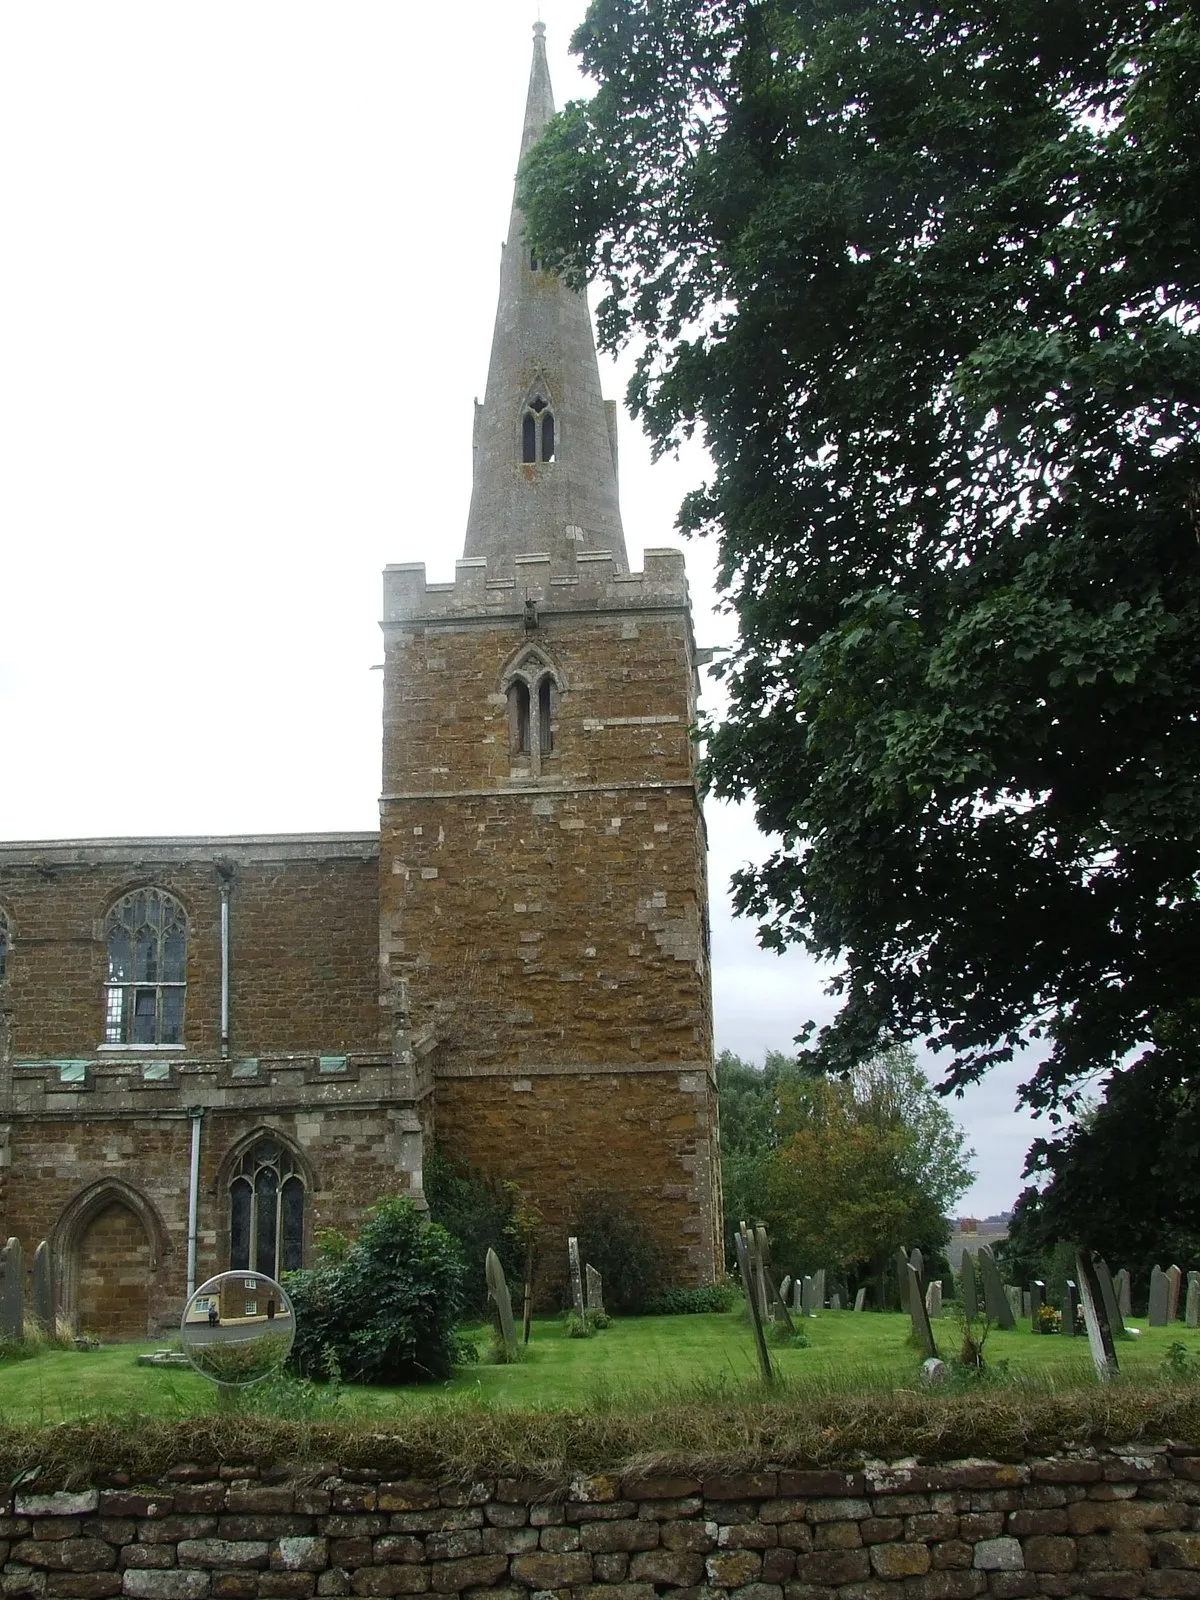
(213, 1048)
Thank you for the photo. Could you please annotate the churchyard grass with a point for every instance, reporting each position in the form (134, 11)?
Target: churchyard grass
(659, 1356)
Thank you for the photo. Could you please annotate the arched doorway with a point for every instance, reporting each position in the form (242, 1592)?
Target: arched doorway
(113, 1275)
(108, 1244)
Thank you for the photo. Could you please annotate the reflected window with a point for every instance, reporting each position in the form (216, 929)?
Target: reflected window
(266, 1211)
(146, 939)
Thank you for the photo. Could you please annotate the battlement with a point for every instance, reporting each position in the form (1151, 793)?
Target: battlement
(590, 581)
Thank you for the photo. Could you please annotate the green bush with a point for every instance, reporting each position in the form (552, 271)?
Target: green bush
(479, 1214)
(622, 1252)
(385, 1310)
(692, 1302)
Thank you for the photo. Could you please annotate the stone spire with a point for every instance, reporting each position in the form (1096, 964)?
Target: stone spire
(545, 449)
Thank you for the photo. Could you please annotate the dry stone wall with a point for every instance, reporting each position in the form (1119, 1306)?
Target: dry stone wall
(1098, 1523)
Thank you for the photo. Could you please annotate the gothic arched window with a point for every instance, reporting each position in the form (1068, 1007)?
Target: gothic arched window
(266, 1211)
(531, 685)
(146, 939)
(518, 717)
(537, 428)
(5, 942)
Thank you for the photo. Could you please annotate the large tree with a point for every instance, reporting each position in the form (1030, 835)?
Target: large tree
(926, 279)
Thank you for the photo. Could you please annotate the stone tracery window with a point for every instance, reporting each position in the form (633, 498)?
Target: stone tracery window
(146, 938)
(537, 427)
(266, 1211)
(531, 686)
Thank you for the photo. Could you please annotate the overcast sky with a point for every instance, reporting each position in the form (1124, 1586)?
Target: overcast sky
(247, 285)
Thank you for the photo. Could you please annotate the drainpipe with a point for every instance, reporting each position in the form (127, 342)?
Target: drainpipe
(225, 969)
(197, 1116)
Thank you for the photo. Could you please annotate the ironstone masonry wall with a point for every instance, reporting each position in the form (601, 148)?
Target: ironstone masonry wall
(1117, 1524)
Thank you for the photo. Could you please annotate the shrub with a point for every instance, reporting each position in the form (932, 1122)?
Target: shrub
(620, 1249)
(479, 1213)
(385, 1311)
(693, 1302)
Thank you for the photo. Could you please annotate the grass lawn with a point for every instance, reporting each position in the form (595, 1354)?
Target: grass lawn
(651, 1356)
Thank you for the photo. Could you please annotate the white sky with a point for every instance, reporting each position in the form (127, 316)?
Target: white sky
(247, 282)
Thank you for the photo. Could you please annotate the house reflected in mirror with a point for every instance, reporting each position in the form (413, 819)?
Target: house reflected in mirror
(238, 1328)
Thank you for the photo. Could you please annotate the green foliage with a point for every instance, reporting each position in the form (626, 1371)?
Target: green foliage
(926, 280)
(386, 1311)
(481, 1216)
(579, 1327)
(623, 1253)
(693, 1302)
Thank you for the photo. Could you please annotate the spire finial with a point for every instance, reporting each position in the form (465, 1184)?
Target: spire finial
(539, 29)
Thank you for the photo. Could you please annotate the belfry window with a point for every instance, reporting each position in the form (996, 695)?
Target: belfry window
(266, 1211)
(537, 429)
(146, 939)
(545, 733)
(5, 941)
(531, 685)
(518, 718)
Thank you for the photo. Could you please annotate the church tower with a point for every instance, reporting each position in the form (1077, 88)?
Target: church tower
(543, 901)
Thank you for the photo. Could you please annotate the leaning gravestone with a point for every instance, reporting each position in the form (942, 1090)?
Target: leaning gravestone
(1095, 1317)
(499, 1296)
(1070, 1306)
(995, 1300)
(1037, 1298)
(1124, 1292)
(760, 1341)
(12, 1291)
(1108, 1293)
(595, 1288)
(901, 1259)
(933, 1300)
(1191, 1311)
(1160, 1291)
(1174, 1279)
(860, 1300)
(917, 1312)
(970, 1294)
(576, 1276)
(917, 1262)
(42, 1296)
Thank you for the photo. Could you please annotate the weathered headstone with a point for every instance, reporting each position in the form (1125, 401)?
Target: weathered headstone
(933, 1300)
(1112, 1310)
(499, 1296)
(917, 1312)
(798, 1296)
(917, 1262)
(806, 1297)
(1037, 1299)
(819, 1289)
(785, 1288)
(1124, 1291)
(594, 1288)
(1174, 1279)
(995, 1300)
(576, 1276)
(1191, 1310)
(1070, 1305)
(1014, 1301)
(835, 1302)
(760, 1342)
(901, 1260)
(860, 1300)
(970, 1293)
(1027, 1305)
(759, 1256)
(1160, 1291)
(1095, 1317)
(42, 1287)
(12, 1291)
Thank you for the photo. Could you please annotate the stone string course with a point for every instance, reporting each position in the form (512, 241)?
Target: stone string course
(1106, 1524)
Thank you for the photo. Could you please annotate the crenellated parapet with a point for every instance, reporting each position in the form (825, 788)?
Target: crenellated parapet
(592, 581)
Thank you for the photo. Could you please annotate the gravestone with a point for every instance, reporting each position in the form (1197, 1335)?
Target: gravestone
(933, 1300)
(995, 1301)
(1112, 1310)
(860, 1300)
(594, 1285)
(819, 1290)
(798, 1296)
(1014, 1301)
(901, 1259)
(1124, 1292)
(1037, 1299)
(1192, 1306)
(12, 1291)
(42, 1287)
(1070, 1305)
(1160, 1291)
(1027, 1305)
(498, 1294)
(1174, 1279)
(916, 1311)
(759, 1256)
(760, 1342)
(1095, 1317)
(917, 1262)
(576, 1276)
(785, 1288)
(970, 1293)
(806, 1297)
(835, 1302)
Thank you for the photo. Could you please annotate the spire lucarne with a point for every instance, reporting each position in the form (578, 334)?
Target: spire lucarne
(545, 449)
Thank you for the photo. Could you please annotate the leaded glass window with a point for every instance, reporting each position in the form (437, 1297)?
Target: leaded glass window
(266, 1211)
(146, 935)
